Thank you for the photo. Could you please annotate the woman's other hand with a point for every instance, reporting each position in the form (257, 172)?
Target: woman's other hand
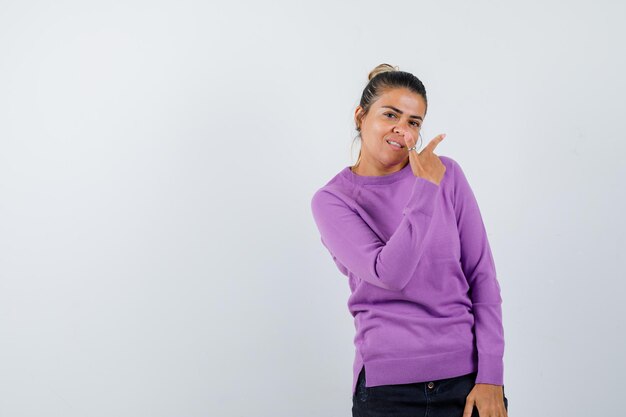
(488, 400)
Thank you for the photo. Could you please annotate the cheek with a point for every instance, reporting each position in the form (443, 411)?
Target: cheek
(380, 131)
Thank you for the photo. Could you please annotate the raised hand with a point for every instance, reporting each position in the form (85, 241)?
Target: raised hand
(426, 164)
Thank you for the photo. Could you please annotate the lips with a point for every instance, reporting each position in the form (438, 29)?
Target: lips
(397, 141)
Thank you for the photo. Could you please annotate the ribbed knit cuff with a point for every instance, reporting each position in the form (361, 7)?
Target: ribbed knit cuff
(490, 369)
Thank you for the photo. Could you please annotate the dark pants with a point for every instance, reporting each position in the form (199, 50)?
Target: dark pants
(439, 398)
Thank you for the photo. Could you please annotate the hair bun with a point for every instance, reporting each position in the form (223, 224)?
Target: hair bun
(380, 69)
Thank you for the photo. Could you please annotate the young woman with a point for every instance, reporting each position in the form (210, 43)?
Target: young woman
(405, 228)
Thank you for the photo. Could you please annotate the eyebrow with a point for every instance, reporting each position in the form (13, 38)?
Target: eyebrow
(413, 116)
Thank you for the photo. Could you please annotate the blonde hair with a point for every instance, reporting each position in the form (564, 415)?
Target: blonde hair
(380, 69)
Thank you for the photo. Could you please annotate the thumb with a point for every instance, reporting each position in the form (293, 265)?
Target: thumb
(469, 407)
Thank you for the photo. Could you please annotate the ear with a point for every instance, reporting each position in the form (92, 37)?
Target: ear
(358, 115)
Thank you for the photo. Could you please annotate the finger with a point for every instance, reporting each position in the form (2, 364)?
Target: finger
(469, 407)
(408, 139)
(433, 143)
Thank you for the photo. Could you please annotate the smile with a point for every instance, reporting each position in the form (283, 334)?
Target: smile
(394, 144)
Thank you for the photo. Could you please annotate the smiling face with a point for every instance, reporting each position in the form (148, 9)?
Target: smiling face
(397, 111)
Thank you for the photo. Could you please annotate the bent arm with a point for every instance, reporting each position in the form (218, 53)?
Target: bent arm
(353, 244)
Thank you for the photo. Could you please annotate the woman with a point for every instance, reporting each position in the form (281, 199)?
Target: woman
(405, 228)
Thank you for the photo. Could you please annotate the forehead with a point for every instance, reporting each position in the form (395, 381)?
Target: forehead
(404, 100)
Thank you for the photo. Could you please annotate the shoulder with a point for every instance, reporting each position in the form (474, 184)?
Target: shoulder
(332, 194)
(448, 162)
(335, 192)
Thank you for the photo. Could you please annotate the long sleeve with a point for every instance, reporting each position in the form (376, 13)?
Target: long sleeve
(479, 268)
(355, 246)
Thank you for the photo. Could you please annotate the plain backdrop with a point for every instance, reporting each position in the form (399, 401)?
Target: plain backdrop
(158, 256)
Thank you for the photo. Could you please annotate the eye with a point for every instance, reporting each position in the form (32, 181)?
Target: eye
(416, 124)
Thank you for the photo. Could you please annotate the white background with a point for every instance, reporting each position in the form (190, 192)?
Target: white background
(158, 256)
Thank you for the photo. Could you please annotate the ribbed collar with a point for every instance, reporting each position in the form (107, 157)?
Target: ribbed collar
(377, 179)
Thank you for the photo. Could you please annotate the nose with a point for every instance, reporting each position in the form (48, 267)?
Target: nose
(398, 129)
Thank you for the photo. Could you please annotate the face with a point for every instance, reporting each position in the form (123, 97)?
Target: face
(398, 111)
